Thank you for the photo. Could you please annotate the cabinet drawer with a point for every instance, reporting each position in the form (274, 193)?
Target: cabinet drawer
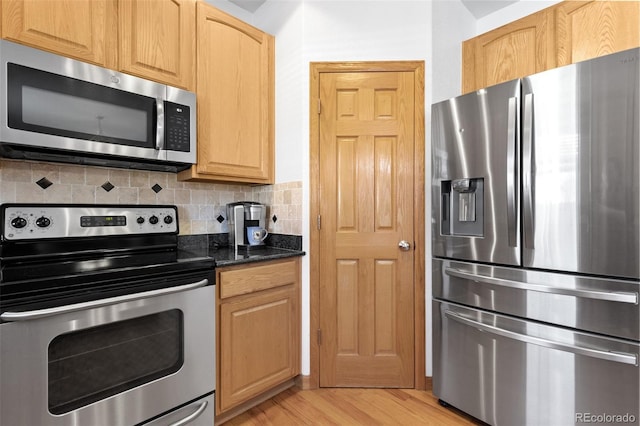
(244, 279)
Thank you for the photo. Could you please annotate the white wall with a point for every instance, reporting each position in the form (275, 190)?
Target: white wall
(314, 31)
(354, 30)
(452, 24)
(511, 13)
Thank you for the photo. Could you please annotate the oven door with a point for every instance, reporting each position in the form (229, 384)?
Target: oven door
(117, 361)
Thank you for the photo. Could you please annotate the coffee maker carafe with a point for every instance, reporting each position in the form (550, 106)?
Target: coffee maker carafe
(242, 215)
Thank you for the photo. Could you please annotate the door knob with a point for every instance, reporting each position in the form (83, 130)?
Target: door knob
(404, 245)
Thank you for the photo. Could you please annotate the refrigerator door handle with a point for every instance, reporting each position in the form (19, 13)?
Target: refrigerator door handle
(512, 173)
(527, 172)
(622, 297)
(621, 357)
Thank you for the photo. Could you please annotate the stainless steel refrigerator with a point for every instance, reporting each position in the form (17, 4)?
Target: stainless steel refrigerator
(536, 229)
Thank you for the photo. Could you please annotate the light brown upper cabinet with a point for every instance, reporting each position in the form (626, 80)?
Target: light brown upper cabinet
(235, 80)
(76, 29)
(153, 39)
(157, 40)
(515, 50)
(565, 33)
(586, 30)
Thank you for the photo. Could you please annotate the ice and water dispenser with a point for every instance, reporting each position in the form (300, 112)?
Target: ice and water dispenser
(462, 207)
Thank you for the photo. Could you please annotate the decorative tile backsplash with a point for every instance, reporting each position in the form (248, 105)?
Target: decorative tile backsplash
(201, 206)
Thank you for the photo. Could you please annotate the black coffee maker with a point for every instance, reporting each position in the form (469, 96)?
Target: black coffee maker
(242, 215)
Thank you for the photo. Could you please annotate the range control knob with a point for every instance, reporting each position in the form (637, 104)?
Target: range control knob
(140, 220)
(19, 222)
(153, 220)
(43, 222)
(168, 220)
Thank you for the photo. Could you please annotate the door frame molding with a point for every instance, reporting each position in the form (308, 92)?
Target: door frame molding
(315, 69)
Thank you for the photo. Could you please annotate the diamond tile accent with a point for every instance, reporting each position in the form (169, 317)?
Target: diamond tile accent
(220, 218)
(156, 188)
(44, 183)
(274, 218)
(107, 186)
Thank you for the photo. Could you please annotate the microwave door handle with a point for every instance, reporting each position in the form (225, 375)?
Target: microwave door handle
(47, 312)
(159, 124)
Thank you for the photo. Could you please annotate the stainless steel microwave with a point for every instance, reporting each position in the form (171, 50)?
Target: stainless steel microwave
(54, 108)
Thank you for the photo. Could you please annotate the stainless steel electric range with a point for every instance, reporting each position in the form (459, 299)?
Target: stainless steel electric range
(103, 321)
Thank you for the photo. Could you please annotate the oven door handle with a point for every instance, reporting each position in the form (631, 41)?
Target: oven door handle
(191, 417)
(41, 313)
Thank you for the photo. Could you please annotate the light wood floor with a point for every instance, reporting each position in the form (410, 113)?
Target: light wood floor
(368, 407)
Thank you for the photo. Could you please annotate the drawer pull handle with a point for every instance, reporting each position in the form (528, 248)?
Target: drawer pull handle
(623, 297)
(621, 357)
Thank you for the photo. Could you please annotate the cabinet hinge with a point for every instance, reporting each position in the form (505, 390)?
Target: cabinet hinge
(319, 337)
(319, 222)
(319, 106)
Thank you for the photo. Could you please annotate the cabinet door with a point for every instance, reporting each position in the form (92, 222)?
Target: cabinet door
(586, 30)
(74, 28)
(512, 51)
(157, 40)
(235, 78)
(259, 344)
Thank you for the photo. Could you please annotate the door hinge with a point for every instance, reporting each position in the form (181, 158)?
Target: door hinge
(319, 337)
(319, 222)
(319, 106)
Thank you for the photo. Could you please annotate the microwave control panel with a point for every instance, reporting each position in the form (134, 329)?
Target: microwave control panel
(178, 127)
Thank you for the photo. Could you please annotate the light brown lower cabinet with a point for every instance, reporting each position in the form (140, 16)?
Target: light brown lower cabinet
(258, 313)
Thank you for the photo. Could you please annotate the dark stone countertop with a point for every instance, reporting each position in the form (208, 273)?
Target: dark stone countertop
(215, 246)
(228, 256)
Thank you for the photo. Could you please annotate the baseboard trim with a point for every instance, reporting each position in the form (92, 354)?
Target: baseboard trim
(428, 383)
(233, 412)
(304, 382)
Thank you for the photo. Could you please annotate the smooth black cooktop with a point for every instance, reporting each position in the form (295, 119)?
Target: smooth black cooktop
(44, 280)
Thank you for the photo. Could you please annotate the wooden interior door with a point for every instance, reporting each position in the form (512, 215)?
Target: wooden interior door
(366, 210)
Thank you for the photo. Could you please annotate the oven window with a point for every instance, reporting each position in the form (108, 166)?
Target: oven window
(88, 365)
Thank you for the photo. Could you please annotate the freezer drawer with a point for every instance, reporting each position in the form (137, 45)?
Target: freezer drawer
(605, 306)
(507, 371)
